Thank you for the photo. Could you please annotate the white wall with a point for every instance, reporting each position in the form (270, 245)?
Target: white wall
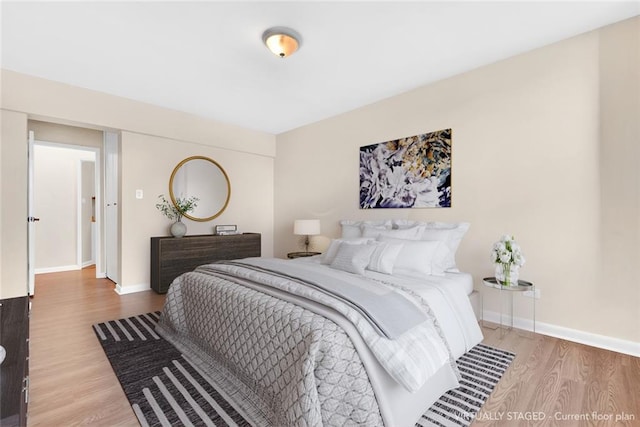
(71, 135)
(87, 214)
(527, 160)
(56, 187)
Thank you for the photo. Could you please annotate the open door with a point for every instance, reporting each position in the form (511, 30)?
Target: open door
(31, 220)
(111, 148)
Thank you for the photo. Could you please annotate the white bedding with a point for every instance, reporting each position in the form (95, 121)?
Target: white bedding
(196, 311)
(443, 293)
(447, 296)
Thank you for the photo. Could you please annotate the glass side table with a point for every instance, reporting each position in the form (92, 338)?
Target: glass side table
(523, 286)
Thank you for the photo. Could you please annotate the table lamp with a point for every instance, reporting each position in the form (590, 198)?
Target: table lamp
(306, 227)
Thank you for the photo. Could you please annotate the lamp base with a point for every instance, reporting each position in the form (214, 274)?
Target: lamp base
(305, 243)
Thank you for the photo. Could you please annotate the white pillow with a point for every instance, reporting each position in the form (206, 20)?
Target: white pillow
(412, 233)
(447, 225)
(352, 258)
(405, 223)
(416, 258)
(450, 234)
(384, 256)
(352, 229)
(328, 255)
(372, 230)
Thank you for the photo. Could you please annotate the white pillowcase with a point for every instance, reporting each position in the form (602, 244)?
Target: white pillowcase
(416, 258)
(332, 250)
(352, 258)
(449, 233)
(352, 229)
(451, 239)
(384, 256)
(372, 230)
(412, 233)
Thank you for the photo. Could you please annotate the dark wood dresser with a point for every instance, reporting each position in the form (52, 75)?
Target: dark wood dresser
(14, 371)
(171, 256)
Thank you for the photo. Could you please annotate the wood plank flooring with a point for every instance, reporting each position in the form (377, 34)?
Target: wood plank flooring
(553, 382)
(72, 383)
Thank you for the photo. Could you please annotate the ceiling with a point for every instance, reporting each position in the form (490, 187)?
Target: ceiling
(207, 58)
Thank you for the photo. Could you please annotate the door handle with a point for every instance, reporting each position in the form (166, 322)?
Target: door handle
(32, 219)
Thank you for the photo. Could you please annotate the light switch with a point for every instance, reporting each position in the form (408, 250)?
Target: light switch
(139, 194)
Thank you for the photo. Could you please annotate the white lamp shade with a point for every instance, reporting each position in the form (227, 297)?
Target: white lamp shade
(306, 227)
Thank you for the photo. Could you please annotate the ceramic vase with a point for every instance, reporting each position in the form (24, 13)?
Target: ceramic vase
(178, 229)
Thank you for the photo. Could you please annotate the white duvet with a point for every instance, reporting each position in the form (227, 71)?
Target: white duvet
(430, 374)
(447, 296)
(450, 304)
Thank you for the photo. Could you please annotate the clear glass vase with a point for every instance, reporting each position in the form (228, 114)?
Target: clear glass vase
(507, 274)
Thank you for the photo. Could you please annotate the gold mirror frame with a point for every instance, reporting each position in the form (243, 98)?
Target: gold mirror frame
(224, 174)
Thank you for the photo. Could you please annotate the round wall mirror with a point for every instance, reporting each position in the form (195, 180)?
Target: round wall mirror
(205, 179)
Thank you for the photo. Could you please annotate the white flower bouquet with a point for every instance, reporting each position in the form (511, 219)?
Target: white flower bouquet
(507, 256)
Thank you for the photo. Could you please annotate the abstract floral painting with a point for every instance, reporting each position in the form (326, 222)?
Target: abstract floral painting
(411, 172)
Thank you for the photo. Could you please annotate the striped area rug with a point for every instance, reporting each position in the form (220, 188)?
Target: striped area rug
(165, 389)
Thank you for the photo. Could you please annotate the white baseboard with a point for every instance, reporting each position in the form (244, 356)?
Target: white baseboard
(57, 269)
(86, 264)
(601, 341)
(123, 290)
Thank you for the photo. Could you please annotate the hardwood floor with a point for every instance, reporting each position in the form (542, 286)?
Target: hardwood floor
(553, 382)
(72, 382)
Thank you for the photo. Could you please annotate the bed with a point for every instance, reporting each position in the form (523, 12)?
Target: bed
(352, 337)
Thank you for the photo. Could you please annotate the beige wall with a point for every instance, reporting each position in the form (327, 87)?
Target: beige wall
(527, 160)
(147, 163)
(48, 101)
(62, 134)
(619, 155)
(13, 210)
(544, 148)
(146, 128)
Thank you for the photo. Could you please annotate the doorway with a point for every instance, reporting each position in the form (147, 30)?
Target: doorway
(64, 204)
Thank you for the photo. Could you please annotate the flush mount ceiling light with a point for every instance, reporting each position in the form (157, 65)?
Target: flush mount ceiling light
(281, 41)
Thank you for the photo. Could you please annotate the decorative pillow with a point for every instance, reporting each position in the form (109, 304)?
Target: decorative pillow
(332, 250)
(352, 258)
(352, 229)
(416, 258)
(384, 256)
